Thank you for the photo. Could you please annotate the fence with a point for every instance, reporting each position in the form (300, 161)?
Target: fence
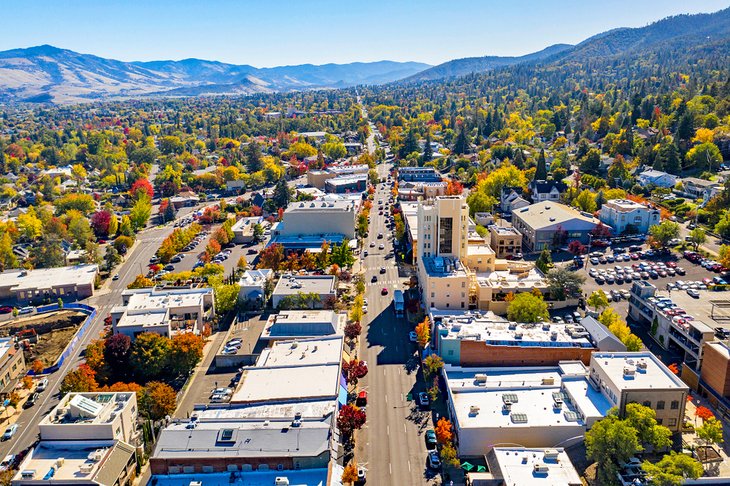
(71, 346)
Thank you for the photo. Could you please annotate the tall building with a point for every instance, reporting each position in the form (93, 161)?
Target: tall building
(443, 224)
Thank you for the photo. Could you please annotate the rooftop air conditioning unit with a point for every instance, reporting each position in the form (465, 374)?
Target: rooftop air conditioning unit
(195, 483)
(59, 462)
(507, 406)
(281, 481)
(545, 326)
(518, 335)
(552, 454)
(86, 467)
(554, 336)
(474, 410)
(641, 365)
(28, 474)
(629, 371)
(548, 381)
(540, 468)
(480, 378)
(296, 423)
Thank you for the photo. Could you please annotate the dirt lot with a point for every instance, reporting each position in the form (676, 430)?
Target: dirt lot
(54, 329)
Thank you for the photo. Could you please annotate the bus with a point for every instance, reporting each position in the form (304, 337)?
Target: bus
(398, 303)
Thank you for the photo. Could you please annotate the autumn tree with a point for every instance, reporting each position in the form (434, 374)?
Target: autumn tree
(271, 257)
(423, 333)
(158, 400)
(186, 349)
(117, 349)
(349, 473)
(349, 419)
(432, 364)
(142, 186)
(141, 282)
(353, 330)
(444, 431)
(94, 354)
(598, 300)
(150, 355)
(82, 379)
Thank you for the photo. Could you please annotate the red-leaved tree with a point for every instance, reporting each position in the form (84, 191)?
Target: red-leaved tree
(349, 419)
(100, 221)
(142, 184)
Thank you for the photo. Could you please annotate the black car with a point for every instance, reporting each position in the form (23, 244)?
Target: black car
(374, 279)
(32, 400)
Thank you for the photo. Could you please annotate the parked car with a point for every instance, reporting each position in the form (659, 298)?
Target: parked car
(693, 293)
(431, 439)
(423, 399)
(31, 400)
(384, 291)
(42, 384)
(6, 309)
(433, 460)
(8, 462)
(26, 310)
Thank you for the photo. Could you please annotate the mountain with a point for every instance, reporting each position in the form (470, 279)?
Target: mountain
(468, 65)
(681, 32)
(50, 74)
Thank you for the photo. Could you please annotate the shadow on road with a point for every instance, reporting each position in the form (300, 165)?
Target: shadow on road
(390, 333)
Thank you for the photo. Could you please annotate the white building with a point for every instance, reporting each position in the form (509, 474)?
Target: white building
(252, 285)
(306, 225)
(68, 283)
(243, 229)
(657, 178)
(298, 324)
(290, 287)
(163, 311)
(624, 216)
(540, 222)
(520, 466)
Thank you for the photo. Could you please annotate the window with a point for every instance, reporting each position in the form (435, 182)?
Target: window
(659, 421)
(675, 405)
(647, 403)
(660, 405)
(672, 422)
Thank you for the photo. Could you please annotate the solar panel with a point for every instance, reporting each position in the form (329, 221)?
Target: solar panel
(509, 397)
(519, 418)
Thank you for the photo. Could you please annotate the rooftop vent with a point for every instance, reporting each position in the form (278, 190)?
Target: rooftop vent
(551, 454)
(548, 381)
(641, 365)
(473, 410)
(540, 468)
(629, 371)
(480, 378)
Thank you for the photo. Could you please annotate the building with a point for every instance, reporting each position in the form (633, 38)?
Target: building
(684, 334)
(289, 287)
(412, 191)
(626, 216)
(244, 228)
(505, 241)
(475, 338)
(520, 466)
(89, 462)
(600, 336)
(457, 268)
(252, 285)
(163, 311)
(657, 178)
(409, 211)
(345, 184)
(318, 178)
(715, 376)
(306, 225)
(542, 407)
(44, 284)
(298, 324)
(640, 377)
(544, 191)
(12, 365)
(106, 416)
(700, 188)
(510, 199)
(540, 222)
(418, 174)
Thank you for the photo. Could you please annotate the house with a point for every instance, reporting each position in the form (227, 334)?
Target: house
(511, 198)
(44, 284)
(699, 188)
(163, 311)
(540, 222)
(626, 216)
(290, 287)
(656, 178)
(549, 190)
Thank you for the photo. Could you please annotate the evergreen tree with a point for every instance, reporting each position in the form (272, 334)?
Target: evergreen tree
(410, 145)
(461, 146)
(282, 195)
(427, 150)
(541, 172)
(253, 158)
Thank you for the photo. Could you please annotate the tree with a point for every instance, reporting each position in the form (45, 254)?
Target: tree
(673, 469)
(410, 145)
(29, 225)
(710, 432)
(37, 367)
(444, 431)
(94, 354)
(507, 175)
(150, 355)
(563, 283)
(111, 257)
(349, 419)
(427, 149)
(349, 473)
(8, 259)
(254, 162)
(353, 330)
(186, 349)
(158, 400)
(282, 194)
(141, 282)
(82, 379)
(541, 171)
(140, 188)
(342, 255)
(258, 233)
(704, 413)
(432, 364)
(705, 156)
(611, 442)
(271, 257)
(113, 225)
(449, 457)
(117, 349)
(697, 237)
(648, 431)
(354, 370)
(423, 333)
(125, 226)
(100, 222)
(527, 307)
(545, 261)
(48, 253)
(598, 300)
(140, 212)
(226, 297)
(591, 162)
(586, 201)
(664, 232)
(576, 248)
(461, 145)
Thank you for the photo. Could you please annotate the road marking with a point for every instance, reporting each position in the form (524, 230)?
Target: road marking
(386, 399)
(390, 469)
(404, 428)
(409, 465)
(388, 429)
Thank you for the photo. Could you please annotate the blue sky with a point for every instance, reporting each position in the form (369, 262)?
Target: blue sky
(279, 32)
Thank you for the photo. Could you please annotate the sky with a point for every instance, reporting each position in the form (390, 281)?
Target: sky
(278, 32)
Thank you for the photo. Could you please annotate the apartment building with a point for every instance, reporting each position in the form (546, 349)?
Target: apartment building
(505, 240)
(626, 216)
(12, 365)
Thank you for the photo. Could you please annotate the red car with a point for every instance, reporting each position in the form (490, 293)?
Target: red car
(384, 291)
(6, 309)
(672, 264)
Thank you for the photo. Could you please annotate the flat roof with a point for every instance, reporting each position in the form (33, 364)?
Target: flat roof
(302, 477)
(282, 411)
(298, 323)
(243, 439)
(47, 278)
(88, 408)
(504, 230)
(6, 344)
(653, 375)
(145, 318)
(293, 284)
(518, 465)
(328, 206)
(144, 299)
(509, 280)
(624, 204)
(303, 352)
(546, 214)
(440, 266)
(497, 331)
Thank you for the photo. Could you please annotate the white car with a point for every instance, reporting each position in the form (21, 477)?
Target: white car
(222, 391)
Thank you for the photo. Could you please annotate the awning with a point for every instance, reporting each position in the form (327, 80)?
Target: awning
(342, 396)
(467, 466)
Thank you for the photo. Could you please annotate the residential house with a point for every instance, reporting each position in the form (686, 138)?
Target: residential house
(656, 178)
(626, 216)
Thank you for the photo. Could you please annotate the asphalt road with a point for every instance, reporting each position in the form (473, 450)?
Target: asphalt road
(391, 446)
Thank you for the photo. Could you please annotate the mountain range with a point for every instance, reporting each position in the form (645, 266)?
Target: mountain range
(50, 74)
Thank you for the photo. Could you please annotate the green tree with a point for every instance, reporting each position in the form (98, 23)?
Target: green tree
(226, 297)
(150, 355)
(527, 307)
(461, 145)
(611, 442)
(541, 171)
(563, 283)
(710, 432)
(140, 212)
(705, 156)
(545, 261)
(342, 255)
(598, 300)
(427, 149)
(697, 237)
(723, 225)
(432, 364)
(480, 202)
(254, 162)
(664, 232)
(48, 253)
(648, 431)
(673, 469)
(282, 194)
(258, 233)
(410, 145)
(591, 163)
(125, 227)
(111, 258)
(586, 201)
